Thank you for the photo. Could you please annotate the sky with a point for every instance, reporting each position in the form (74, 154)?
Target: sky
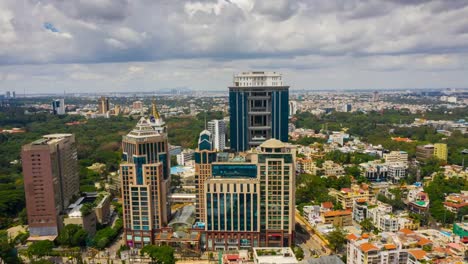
(147, 45)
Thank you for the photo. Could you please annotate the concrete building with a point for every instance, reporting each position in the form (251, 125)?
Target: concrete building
(103, 105)
(360, 209)
(271, 255)
(51, 179)
(185, 156)
(382, 219)
(58, 106)
(137, 105)
(346, 196)
(338, 218)
(424, 152)
(399, 157)
(250, 201)
(145, 180)
(440, 151)
(292, 108)
(259, 109)
(217, 129)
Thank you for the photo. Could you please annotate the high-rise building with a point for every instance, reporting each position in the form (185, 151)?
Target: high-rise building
(259, 109)
(103, 106)
(249, 201)
(217, 129)
(424, 152)
(51, 179)
(145, 181)
(58, 107)
(440, 151)
(204, 157)
(292, 108)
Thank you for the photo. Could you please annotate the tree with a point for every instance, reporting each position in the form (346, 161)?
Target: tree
(337, 239)
(298, 252)
(87, 209)
(159, 254)
(367, 225)
(72, 236)
(40, 249)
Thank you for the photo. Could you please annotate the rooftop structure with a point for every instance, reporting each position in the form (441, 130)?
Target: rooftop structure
(269, 255)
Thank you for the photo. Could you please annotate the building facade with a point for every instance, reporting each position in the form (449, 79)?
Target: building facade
(259, 109)
(51, 179)
(145, 181)
(58, 107)
(103, 105)
(217, 129)
(250, 202)
(440, 151)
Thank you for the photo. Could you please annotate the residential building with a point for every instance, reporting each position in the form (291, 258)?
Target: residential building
(399, 157)
(51, 179)
(338, 218)
(440, 151)
(250, 200)
(360, 209)
(420, 203)
(396, 172)
(259, 109)
(58, 107)
(312, 214)
(145, 180)
(346, 196)
(307, 165)
(269, 255)
(103, 105)
(185, 156)
(455, 202)
(424, 152)
(374, 171)
(137, 105)
(331, 169)
(382, 218)
(217, 129)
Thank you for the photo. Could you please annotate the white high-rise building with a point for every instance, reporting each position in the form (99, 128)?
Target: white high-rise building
(217, 129)
(58, 107)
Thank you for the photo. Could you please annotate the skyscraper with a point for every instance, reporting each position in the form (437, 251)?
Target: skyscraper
(145, 180)
(103, 106)
(217, 129)
(58, 107)
(204, 155)
(259, 109)
(51, 179)
(249, 202)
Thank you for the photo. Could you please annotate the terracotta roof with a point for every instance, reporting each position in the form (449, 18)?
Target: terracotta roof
(424, 241)
(455, 246)
(455, 205)
(406, 231)
(418, 253)
(365, 235)
(390, 246)
(337, 213)
(351, 237)
(366, 247)
(361, 200)
(327, 205)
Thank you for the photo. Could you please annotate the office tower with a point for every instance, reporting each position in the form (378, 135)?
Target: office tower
(217, 129)
(250, 201)
(259, 109)
(375, 96)
(103, 106)
(8, 94)
(145, 180)
(204, 156)
(58, 107)
(440, 151)
(51, 179)
(14, 94)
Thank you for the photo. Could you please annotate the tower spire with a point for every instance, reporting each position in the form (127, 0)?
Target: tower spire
(154, 109)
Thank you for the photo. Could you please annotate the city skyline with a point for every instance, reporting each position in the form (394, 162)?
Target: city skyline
(88, 46)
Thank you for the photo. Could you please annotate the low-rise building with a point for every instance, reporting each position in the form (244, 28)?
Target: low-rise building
(455, 202)
(400, 157)
(332, 169)
(338, 218)
(346, 196)
(274, 255)
(420, 204)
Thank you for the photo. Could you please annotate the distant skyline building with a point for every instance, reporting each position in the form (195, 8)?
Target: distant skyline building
(145, 181)
(217, 129)
(103, 106)
(137, 105)
(51, 179)
(58, 106)
(292, 108)
(259, 109)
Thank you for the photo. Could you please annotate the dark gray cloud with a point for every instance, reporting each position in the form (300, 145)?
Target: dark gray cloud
(280, 34)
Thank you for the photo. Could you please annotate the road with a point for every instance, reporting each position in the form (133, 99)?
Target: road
(309, 242)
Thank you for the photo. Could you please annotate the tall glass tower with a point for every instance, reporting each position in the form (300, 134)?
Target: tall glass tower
(259, 109)
(145, 178)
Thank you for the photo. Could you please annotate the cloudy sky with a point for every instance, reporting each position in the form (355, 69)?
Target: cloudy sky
(146, 45)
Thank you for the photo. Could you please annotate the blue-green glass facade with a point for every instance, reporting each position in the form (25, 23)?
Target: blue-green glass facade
(234, 170)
